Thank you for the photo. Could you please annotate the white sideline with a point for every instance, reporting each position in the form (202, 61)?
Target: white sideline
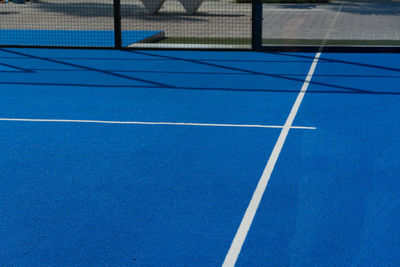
(157, 123)
(241, 234)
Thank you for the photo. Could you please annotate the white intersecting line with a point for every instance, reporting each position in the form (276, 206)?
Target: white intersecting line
(157, 123)
(241, 234)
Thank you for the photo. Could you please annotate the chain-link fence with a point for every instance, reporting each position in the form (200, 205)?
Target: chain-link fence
(227, 24)
(144, 23)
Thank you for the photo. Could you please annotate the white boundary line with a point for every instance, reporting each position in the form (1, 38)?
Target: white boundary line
(157, 123)
(241, 234)
(328, 33)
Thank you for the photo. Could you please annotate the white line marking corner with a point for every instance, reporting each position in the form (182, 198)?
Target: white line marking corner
(241, 234)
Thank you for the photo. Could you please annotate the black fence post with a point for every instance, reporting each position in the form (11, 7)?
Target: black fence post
(117, 24)
(256, 25)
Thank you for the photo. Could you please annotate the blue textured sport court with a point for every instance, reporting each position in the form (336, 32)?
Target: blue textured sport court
(83, 38)
(151, 158)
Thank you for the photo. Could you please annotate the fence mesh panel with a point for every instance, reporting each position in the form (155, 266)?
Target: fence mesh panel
(188, 23)
(199, 23)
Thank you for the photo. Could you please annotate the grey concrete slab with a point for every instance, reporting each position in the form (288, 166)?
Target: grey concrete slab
(338, 20)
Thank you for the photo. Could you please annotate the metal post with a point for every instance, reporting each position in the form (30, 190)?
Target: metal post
(117, 24)
(256, 29)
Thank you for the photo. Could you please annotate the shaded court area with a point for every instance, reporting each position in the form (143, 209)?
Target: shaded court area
(152, 157)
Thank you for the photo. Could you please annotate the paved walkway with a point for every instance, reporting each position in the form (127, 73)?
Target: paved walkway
(339, 20)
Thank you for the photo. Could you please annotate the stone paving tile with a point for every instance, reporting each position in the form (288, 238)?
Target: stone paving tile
(356, 20)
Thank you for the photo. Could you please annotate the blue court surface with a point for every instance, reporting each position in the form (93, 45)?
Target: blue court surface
(199, 158)
(72, 37)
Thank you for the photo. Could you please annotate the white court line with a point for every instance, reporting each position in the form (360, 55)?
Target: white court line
(158, 123)
(241, 234)
(328, 33)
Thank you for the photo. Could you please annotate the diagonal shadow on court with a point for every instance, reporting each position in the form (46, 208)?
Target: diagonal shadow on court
(364, 92)
(87, 68)
(353, 89)
(154, 84)
(343, 62)
(14, 68)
